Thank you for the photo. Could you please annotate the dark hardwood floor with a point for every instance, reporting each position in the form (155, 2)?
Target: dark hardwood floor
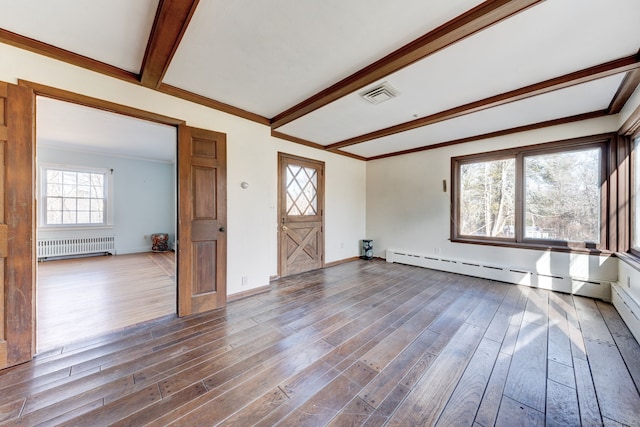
(363, 343)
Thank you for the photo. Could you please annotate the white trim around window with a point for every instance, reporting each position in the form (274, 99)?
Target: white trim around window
(74, 197)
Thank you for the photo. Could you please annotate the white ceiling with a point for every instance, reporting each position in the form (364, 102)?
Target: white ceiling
(75, 127)
(549, 40)
(266, 57)
(111, 31)
(567, 102)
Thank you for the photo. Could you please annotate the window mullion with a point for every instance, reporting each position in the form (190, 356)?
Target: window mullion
(520, 220)
(79, 211)
(553, 192)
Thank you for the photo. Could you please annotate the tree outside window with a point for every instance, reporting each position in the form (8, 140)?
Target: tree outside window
(551, 194)
(635, 198)
(487, 198)
(562, 198)
(74, 197)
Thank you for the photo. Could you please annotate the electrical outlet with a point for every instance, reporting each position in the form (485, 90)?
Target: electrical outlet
(341, 245)
(628, 282)
(245, 280)
(438, 251)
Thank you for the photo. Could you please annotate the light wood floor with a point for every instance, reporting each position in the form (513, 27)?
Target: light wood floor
(363, 343)
(85, 297)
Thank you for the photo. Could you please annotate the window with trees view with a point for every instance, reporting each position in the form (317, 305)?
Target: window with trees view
(487, 198)
(74, 197)
(550, 194)
(635, 197)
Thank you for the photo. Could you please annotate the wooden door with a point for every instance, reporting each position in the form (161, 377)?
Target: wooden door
(17, 296)
(301, 214)
(202, 218)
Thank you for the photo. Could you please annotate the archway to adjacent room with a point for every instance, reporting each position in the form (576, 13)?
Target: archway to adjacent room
(201, 214)
(198, 188)
(106, 185)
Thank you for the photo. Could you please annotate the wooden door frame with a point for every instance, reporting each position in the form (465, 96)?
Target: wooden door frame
(282, 155)
(100, 104)
(17, 251)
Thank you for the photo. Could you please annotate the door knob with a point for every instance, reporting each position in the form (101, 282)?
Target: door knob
(221, 229)
(285, 228)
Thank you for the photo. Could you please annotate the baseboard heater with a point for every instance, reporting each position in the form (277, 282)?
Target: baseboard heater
(75, 246)
(509, 274)
(628, 308)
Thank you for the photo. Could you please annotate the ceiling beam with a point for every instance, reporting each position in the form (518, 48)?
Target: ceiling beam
(297, 140)
(35, 46)
(170, 24)
(211, 103)
(482, 16)
(317, 146)
(583, 76)
(626, 89)
(77, 60)
(525, 128)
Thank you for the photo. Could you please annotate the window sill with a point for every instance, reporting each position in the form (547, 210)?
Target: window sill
(74, 228)
(629, 259)
(533, 246)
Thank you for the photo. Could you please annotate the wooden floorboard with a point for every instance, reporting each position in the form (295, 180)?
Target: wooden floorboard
(362, 343)
(87, 297)
(616, 391)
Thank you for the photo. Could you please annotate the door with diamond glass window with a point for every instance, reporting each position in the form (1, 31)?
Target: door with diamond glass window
(301, 210)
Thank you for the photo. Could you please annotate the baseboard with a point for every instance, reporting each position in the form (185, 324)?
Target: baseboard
(627, 307)
(249, 293)
(327, 265)
(136, 250)
(342, 261)
(589, 287)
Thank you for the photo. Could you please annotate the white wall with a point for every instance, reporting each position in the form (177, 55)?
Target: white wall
(629, 108)
(398, 202)
(629, 280)
(143, 198)
(251, 157)
(626, 294)
(408, 210)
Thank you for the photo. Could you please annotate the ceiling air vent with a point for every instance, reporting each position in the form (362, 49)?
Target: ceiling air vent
(379, 94)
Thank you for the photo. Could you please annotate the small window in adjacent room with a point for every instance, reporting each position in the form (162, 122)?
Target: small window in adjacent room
(551, 195)
(74, 196)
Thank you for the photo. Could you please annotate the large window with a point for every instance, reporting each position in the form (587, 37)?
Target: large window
(551, 194)
(635, 197)
(74, 196)
(562, 195)
(487, 198)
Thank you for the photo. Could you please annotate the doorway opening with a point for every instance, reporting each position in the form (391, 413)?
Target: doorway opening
(106, 184)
